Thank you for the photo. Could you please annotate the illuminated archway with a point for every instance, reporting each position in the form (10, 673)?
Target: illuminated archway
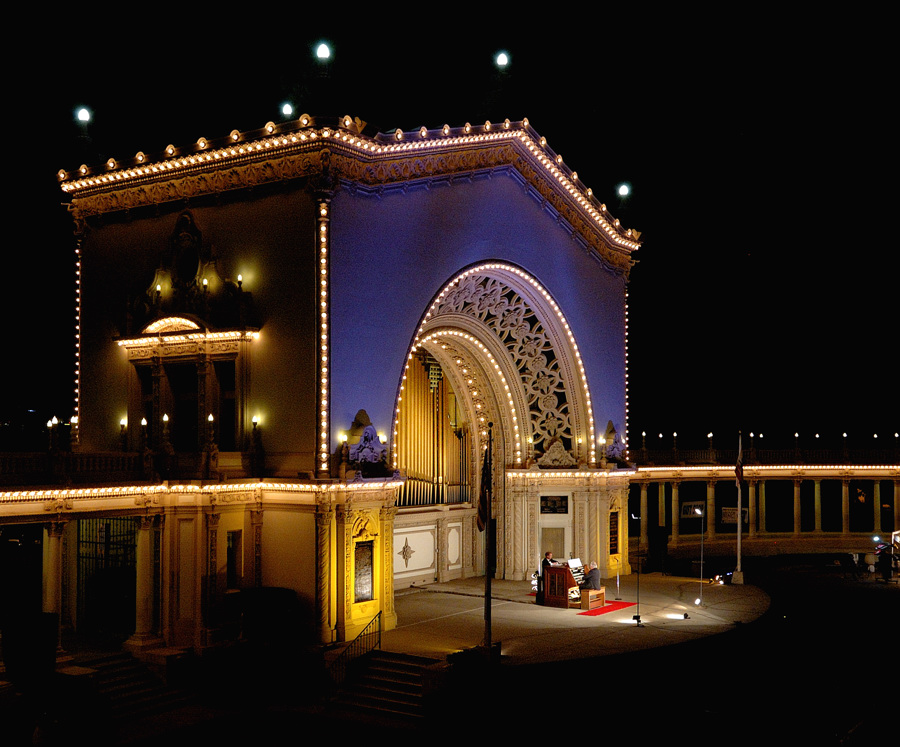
(498, 321)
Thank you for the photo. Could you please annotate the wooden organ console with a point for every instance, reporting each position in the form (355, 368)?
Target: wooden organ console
(560, 581)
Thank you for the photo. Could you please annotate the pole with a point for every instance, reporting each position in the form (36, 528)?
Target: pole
(489, 526)
(738, 576)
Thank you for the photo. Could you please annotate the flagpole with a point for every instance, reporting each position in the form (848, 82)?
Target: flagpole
(487, 491)
(738, 576)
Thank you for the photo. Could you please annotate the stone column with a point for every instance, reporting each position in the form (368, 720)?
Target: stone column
(325, 515)
(751, 508)
(676, 514)
(661, 505)
(644, 517)
(710, 509)
(52, 588)
(818, 489)
(897, 504)
(876, 507)
(144, 635)
(845, 506)
(797, 484)
(762, 506)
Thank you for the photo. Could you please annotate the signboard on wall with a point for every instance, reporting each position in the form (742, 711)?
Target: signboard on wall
(729, 515)
(364, 581)
(554, 504)
(613, 532)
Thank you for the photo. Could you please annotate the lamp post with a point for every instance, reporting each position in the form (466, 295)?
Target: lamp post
(702, 513)
(637, 617)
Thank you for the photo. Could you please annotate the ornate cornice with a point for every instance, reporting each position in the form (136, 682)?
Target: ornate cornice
(301, 150)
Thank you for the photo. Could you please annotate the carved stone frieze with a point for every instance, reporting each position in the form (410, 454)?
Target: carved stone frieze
(530, 347)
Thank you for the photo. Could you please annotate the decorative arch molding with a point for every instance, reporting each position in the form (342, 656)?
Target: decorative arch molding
(496, 319)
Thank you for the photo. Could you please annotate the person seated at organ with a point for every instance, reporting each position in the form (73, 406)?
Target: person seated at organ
(592, 578)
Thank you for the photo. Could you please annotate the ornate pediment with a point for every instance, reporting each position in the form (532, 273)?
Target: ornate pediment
(556, 456)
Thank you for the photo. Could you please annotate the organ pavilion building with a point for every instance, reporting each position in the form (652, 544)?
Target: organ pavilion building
(292, 345)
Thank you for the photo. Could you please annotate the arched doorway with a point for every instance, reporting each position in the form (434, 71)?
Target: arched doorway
(492, 347)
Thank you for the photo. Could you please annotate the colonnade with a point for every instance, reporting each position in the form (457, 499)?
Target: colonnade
(753, 494)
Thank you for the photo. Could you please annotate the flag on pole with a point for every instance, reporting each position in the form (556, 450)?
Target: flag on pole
(739, 465)
(484, 497)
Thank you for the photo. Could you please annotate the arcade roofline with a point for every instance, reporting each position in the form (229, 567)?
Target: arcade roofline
(297, 148)
(143, 494)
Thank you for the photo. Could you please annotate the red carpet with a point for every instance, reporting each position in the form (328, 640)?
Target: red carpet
(609, 607)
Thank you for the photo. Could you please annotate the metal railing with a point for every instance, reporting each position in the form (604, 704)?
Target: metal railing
(368, 640)
(419, 491)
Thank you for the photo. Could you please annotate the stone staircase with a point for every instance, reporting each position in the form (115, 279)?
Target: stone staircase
(390, 688)
(128, 688)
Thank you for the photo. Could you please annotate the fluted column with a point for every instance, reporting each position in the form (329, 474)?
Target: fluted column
(710, 509)
(797, 484)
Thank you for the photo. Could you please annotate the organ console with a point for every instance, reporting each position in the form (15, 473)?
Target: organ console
(561, 583)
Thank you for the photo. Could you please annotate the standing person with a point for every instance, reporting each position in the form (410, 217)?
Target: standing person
(548, 560)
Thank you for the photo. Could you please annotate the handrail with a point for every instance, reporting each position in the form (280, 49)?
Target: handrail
(369, 638)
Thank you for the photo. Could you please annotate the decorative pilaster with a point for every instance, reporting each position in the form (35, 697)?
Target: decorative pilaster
(211, 572)
(323, 243)
(256, 526)
(386, 519)
(440, 549)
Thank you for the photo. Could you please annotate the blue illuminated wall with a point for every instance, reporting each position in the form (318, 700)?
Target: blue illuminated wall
(391, 253)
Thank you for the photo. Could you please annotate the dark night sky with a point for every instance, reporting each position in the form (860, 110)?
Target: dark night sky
(760, 156)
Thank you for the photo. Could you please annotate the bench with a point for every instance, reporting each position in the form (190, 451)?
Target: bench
(591, 599)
